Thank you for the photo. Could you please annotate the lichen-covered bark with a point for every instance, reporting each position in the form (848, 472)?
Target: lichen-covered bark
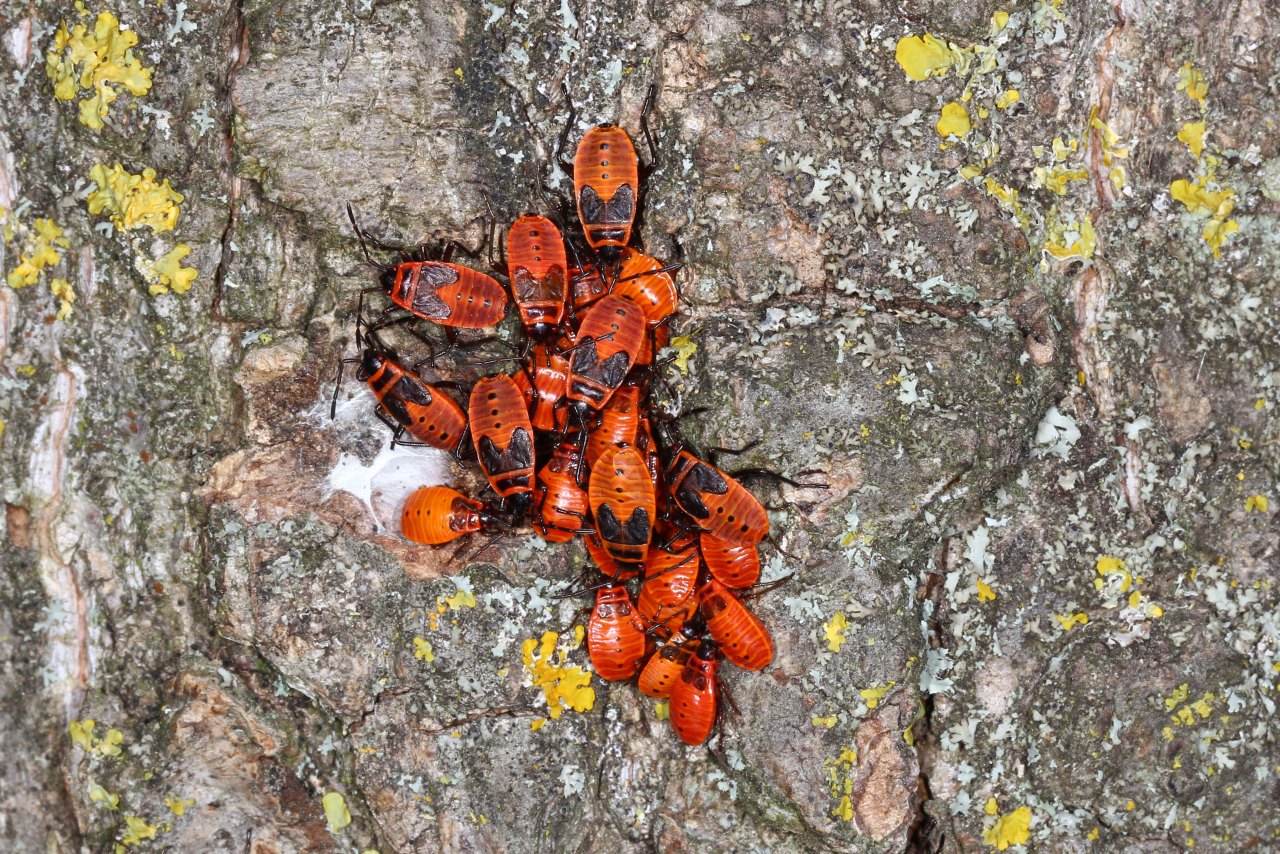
(1036, 363)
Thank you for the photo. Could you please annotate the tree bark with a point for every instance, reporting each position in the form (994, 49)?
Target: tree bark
(1035, 361)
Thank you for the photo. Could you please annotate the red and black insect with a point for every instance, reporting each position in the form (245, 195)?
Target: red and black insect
(622, 504)
(670, 575)
(741, 635)
(611, 334)
(616, 642)
(448, 294)
(435, 515)
(538, 268)
(715, 501)
(664, 621)
(663, 669)
(619, 422)
(406, 404)
(604, 561)
(543, 383)
(695, 696)
(648, 283)
(733, 563)
(607, 176)
(560, 502)
(503, 438)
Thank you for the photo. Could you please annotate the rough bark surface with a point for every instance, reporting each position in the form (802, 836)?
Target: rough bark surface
(1036, 606)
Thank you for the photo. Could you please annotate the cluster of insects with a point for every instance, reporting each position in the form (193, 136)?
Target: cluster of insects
(570, 441)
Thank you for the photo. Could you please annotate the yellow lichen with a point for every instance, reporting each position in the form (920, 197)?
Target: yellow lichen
(685, 348)
(1192, 134)
(1199, 199)
(924, 56)
(1218, 204)
(66, 296)
(1258, 503)
(178, 806)
(1178, 697)
(662, 710)
(136, 831)
(40, 251)
(1008, 199)
(1008, 99)
(991, 807)
(95, 61)
(1109, 144)
(834, 631)
(168, 274)
(873, 695)
(336, 813)
(134, 201)
(954, 121)
(563, 686)
(1057, 178)
(1108, 566)
(985, 593)
(827, 722)
(422, 650)
(1216, 231)
(840, 781)
(1191, 80)
(1071, 240)
(1011, 829)
(461, 599)
(83, 737)
(1070, 621)
(99, 795)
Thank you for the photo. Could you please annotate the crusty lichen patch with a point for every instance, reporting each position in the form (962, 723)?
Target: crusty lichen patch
(95, 61)
(134, 201)
(564, 686)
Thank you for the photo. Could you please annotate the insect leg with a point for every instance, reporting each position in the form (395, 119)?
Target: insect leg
(649, 100)
(565, 165)
(714, 453)
(333, 407)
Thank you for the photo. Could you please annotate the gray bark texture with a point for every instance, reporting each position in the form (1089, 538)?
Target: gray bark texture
(1035, 608)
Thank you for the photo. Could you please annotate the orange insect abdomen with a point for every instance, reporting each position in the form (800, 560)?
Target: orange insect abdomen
(654, 340)
(670, 576)
(437, 514)
(449, 294)
(539, 270)
(734, 564)
(661, 620)
(587, 286)
(694, 696)
(744, 639)
(550, 381)
(503, 434)
(619, 420)
(615, 642)
(429, 415)
(717, 502)
(623, 505)
(654, 292)
(563, 508)
(610, 337)
(606, 183)
(665, 666)
(605, 563)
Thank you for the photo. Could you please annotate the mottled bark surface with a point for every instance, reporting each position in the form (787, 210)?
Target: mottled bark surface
(1036, 606)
